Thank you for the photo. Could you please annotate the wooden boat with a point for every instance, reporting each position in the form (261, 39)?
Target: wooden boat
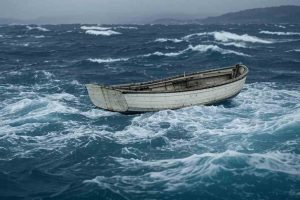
(200, 88)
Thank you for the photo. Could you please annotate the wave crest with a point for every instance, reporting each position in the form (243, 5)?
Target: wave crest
(104, 33)
(39, 28)
(94, 28)
(168, 40)
(279, 33)
(107, 60)
(224, 36)
(174, 175)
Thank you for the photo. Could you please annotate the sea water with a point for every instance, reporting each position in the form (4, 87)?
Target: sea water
(54, 144)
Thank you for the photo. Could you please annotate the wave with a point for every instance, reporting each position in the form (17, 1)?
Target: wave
(227, 36)
(39, 28)
(206, 48)
(104, 33)
(39, 36)
(293, 50)
(171, 54)
(125, 27)
(107, 60)
(175, 175)
(187, 37)
(168, 40)
(224, 36)
(235, 44)
(199, 48)
(95, 28)
(279, 33)
(279, 26)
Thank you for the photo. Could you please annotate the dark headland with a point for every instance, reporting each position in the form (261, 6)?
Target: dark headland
(270, 15)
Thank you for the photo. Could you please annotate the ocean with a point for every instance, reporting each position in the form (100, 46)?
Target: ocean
(54, 144)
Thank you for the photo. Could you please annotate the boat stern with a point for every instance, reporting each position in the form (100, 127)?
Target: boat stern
(107, 98)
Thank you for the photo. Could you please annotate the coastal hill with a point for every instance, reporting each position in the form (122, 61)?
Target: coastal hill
(281, 14)
(269, 15)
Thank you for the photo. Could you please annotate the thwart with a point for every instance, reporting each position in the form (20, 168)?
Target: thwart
(200, 88)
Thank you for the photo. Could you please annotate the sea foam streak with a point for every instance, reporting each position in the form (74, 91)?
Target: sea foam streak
(104, 33)
(94, 28)
(229, 37)
(205, 48)
(279, 33)
(107, 60)
(175, 175)
(170, 54)
(168, 40)
(125, 27)
(37, 28)
(199, 48)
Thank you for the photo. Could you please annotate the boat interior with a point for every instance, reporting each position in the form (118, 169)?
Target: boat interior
(193, 81)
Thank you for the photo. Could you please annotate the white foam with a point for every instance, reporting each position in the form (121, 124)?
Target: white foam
(97, 113)
(170, 54)
(224, 36)
(279, 26)
(227, 37)
(187, 37)
(206, 48)
(235, 44)
(279, 33)
(104, 33)
(107, 60)
(175, 175)
(39, 28)
(293, 50)
(168, 40)
(199, 48)
(39, 36)
(95, 28)
(125, 27)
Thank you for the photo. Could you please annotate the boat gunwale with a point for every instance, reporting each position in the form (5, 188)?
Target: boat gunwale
(170, 78)
(187, 90)
(112, 87)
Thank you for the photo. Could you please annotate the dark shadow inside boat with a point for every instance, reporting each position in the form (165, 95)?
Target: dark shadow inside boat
(184, 82)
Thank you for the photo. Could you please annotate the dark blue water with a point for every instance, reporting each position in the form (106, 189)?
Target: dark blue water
(55, 145)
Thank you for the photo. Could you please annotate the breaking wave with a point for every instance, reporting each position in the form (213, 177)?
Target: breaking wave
(39, 28)
(126, 27)
(279, 33)
(229, 37)
(104, 33)
(235, 44)
(168, 40)
(39, 36)
(94, 28)
(108, 60)
(199, 48)
(295, 50)
(171, 54)
(174, 175)
(206, 48)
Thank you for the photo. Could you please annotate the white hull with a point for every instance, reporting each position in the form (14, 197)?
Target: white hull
(120, 101)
